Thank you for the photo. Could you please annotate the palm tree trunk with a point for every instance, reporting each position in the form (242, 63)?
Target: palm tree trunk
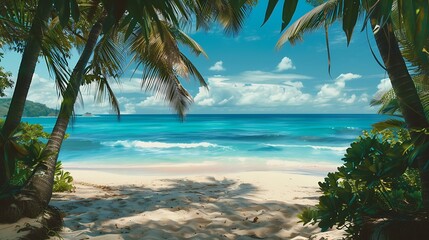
(23, 81)
(43, 179)
(408, 99)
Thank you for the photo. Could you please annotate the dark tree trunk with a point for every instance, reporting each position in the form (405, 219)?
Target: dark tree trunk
(23, 81)
(43, 179)
(38, 192)
(408, 99)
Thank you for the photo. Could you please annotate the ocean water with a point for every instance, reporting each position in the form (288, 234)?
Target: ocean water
(149, 140)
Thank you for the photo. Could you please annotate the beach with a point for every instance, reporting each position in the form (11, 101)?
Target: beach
(210, 177)
(238, 205)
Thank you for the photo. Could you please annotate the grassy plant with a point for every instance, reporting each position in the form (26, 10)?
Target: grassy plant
(63, 181)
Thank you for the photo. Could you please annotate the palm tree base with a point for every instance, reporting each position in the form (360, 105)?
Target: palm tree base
(395, 229)
(48, 223)
(24, 204)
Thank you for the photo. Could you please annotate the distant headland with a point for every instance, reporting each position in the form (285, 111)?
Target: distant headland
(32, 109)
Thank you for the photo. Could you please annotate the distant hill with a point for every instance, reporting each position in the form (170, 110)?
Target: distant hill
(32, 109)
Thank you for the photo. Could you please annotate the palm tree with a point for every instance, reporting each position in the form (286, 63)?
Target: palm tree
(154, 46)
(378, 13)
(25, 74)
(164, 64)
(15, 18)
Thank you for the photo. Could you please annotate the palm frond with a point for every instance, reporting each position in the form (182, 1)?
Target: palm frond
(108, 58)
(15, 22)
(193, 71)
(107, 63)
(229, 13)
(424, 98)
(55, 50)
(389, 123)
(183, 38)
(417, 63)
(324, 14)
(164, 64)
(103, 92)
(387, 102)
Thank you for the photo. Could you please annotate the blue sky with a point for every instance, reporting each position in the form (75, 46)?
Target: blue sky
(246, 74)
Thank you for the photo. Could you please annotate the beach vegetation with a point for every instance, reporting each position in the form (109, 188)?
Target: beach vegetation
(5, 77)
(63, 181)
(367, 186)
(375, 182)
(29, 142)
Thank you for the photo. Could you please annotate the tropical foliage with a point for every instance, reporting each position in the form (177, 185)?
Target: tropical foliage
(63, 181)
(29, 142)
(374, 182)
(5, 79)
(28, 145)
(376, 170)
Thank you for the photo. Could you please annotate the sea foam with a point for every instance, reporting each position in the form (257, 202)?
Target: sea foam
(151, 145)
(330, 148)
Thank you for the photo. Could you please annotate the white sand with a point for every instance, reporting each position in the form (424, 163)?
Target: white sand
(244, 205)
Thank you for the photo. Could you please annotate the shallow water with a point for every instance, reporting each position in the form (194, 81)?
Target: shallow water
(163, 139)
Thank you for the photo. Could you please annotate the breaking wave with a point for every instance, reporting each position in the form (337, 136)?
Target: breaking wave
(163, 145)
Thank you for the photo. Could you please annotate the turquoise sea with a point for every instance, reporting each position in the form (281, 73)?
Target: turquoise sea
(230, 140)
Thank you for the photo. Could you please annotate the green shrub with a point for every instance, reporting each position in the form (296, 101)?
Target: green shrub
(27, 144)
(25, 147)
(374, 182)
(63, 180)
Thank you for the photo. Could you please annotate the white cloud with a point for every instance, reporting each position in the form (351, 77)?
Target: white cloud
(43, 91)
(348, 100)
(250, 91)
(383, 87)
(341, 38)
(152, 101)
(329, 92)
(218, 66)
(285, 64)
(268, 77)
(252, 38)
(233, 92)
(129, 108)
(364, 98)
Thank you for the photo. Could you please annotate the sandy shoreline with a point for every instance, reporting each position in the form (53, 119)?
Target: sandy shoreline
(239, 205)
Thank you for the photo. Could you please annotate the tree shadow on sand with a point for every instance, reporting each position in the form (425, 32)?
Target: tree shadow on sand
(181, 209)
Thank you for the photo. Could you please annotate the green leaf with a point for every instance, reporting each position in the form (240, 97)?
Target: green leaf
(271, 5)
(386, 9)
(75, 10)
(351, 10)
(130, 28)
(389, 123)
(409, 18)
(288, 11)
(64, 13)
(422, 28)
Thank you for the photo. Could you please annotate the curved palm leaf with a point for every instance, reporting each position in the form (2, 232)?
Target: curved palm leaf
(15, 22)
(107, 63)
(229, 13)
(324, 14)
(164, 64)
(387, 102)
(56, 47)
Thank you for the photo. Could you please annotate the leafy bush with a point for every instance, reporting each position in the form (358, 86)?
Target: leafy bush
(374, 182)
(63, 180)
(26, 148)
